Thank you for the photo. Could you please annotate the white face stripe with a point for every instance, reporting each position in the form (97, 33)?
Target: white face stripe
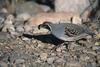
(49, 26)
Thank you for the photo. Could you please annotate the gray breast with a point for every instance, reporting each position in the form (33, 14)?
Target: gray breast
(58, 31)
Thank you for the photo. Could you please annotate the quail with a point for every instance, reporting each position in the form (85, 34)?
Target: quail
(67, 31)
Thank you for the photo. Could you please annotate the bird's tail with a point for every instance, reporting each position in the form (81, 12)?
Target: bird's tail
(89, 31)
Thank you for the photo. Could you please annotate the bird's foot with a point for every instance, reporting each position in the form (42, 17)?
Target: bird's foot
(63, 46)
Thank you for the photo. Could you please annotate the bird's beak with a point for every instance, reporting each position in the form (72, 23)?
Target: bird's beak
(39, 27)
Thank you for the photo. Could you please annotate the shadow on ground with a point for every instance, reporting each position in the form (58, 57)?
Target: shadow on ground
(48, 38)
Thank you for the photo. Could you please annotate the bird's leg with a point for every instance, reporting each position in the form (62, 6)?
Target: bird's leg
(59, 45)
(65, 43)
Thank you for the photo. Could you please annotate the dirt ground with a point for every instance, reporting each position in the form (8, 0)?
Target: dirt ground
(47, 51)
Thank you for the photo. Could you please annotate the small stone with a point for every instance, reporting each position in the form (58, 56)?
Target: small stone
(97, 43)
(88, 37)
(53, 54)
(90, 52)
(61, 48)
(38, 60)
(4, 10)
(96, 47)
(41, 45)
(84, 57)
(20, 29)
(93, 64)
(44, 56)
(27, 28)
(50, 60)
(73, 64)
(58, 49)
(27, 40)
(98, 36)
(60, 60)
(19, 61)
(8, 24)
(45, 8)
(49, 46)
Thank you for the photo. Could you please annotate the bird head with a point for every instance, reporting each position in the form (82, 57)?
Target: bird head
(46, 25)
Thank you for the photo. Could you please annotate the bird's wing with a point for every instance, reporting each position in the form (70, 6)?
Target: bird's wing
(73, 30)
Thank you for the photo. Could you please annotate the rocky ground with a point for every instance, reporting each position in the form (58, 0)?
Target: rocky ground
(47, 51)
(44, 50)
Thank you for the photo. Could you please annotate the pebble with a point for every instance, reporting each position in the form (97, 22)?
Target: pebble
(41, 45)
(60, 60)
(38, 60)
(97, 44)
(84, 57)
(96, 47)
(58, 49)
(19, 61)
(50, 60)
(93, 64)
(90, 52)
(73, 64)
(45, 8)
(61, 48)
(27, 40)
(20, 29)
(44, 56)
